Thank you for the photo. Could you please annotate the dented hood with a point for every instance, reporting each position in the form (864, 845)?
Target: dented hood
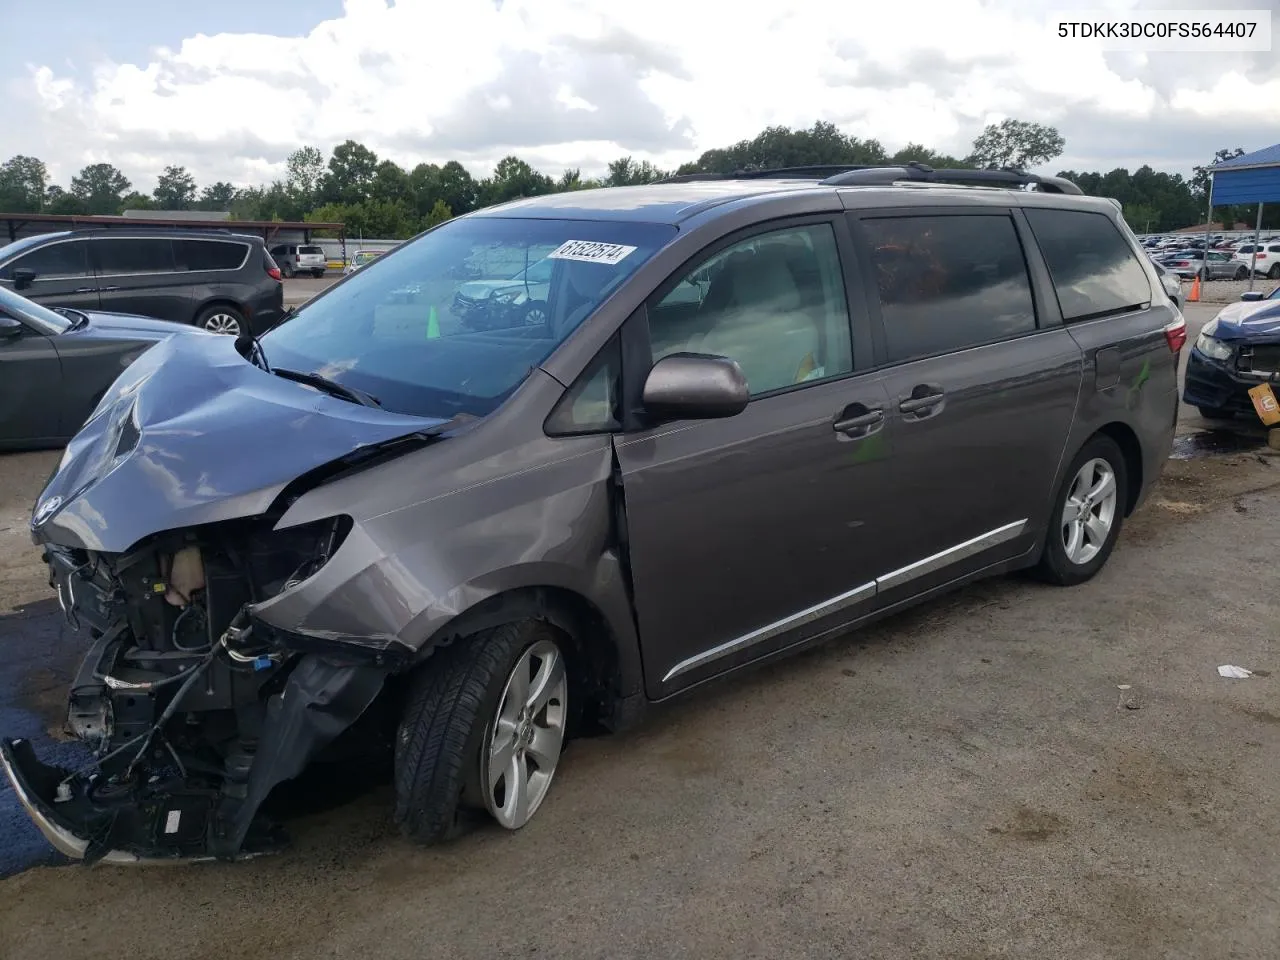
(1259, 320)
(193, 433)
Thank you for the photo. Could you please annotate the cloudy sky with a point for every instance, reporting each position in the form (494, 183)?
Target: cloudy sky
(228, 89)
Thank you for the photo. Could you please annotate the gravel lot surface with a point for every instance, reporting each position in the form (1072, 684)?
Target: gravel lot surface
(965, 781)
(1218, 291)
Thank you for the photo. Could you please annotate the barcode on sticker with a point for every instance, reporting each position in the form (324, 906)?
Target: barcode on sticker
(172, 820)
(591, 251)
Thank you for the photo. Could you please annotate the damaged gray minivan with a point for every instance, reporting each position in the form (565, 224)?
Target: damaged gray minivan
(747, 413)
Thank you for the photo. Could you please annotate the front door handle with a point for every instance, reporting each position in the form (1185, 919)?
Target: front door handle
(858, 420)
(85, 290)
(105, 289)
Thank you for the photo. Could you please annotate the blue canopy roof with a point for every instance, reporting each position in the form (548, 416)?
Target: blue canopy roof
(1251, 178)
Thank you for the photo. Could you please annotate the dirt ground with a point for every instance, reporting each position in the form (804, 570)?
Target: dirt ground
(965, 781)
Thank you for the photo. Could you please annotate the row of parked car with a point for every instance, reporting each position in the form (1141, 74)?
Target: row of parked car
(1220, 260)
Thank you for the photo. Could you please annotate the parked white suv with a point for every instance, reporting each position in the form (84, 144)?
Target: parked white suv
(296, 258)
(1267, 261)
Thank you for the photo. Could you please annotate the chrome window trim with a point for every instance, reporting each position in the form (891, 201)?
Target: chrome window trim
(248, 251)
(850, 598)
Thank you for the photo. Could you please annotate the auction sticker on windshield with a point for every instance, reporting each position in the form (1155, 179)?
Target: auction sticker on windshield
(591, 251)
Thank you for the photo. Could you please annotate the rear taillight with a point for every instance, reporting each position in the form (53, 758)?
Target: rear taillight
(275, 274)
(1176, 334)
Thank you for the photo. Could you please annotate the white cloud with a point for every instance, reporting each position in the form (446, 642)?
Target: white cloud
(577, 82)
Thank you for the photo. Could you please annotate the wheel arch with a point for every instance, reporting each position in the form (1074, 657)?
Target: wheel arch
(603, 655)
(1131, 448)
(218, 301)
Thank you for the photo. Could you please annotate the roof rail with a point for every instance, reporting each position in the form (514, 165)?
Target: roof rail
(813, 172)
(922, 173)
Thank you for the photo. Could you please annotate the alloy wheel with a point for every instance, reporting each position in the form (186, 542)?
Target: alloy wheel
(525, 736)
(222, 323)
(1089, 512)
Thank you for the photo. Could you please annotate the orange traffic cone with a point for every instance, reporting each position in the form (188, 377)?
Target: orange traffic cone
(1194, 295)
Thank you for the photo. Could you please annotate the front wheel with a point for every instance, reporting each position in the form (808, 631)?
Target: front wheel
(535, 314)
(1242, 273)
(483, 727)
(1088, 512)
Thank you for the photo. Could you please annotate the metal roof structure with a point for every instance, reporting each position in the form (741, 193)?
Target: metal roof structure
(16, 225)
(1251, 178)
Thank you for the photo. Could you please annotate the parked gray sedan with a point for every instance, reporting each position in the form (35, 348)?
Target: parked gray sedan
(55, 365)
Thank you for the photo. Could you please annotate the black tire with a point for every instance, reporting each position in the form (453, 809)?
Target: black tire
(1203, 275)
(318, 274)
(442, 728)
(287, 270)
(1274, 272)
(1054, 566)
(1215, 413)
(206, 319)
(1242, 273)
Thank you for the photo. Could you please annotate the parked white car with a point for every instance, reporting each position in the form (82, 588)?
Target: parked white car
(1266, 262)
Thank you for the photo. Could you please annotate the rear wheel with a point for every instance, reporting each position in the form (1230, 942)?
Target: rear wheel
(1087, 514)
(287, 269)
(1274, 272)
(1242, 273)
(483, 728)
(221, 318)
(317, 274)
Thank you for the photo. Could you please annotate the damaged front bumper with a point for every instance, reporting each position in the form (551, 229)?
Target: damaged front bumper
(194, 710)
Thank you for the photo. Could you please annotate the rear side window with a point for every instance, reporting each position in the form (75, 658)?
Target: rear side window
(52, 262)
(209, 254)
(947, 283)
(1094, 270)
(131, 256)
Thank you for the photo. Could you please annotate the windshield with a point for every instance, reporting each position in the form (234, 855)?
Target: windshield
(20, 308)
(454, 321)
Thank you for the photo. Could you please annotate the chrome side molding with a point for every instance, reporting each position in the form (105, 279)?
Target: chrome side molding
(851, 598)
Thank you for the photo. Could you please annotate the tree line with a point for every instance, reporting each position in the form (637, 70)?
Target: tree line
(377, 197)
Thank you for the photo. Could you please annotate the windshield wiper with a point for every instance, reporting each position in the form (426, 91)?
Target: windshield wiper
(331, 387)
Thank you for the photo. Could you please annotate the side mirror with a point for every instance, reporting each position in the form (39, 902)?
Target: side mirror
(694, 386)
(23, 277)
(10, 329)
(1251, 296)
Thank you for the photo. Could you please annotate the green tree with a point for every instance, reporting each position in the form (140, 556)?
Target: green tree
(1018, 144)
(23, 181)
(304, 171)
(779, 146)
(457, 188)
(59, 202)
(218, 196)
(351, 171)
(176, 189)
(918, 153)
(99, 187)
(137, 201)
(513, 178)
(626, 172)
(392, 185)
(438, 214)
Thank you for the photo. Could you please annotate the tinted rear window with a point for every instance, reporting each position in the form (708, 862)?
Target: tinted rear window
(1094, 270)
(947, 283)
(124, 256)
(209, 254)
(310, 250)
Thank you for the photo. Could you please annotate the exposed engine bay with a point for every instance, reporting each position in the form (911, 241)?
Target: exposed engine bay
(194, 710)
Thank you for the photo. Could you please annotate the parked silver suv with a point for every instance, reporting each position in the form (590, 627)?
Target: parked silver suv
(296, 258)
(755, 412)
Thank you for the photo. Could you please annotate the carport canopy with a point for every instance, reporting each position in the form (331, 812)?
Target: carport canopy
(1248, 179)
